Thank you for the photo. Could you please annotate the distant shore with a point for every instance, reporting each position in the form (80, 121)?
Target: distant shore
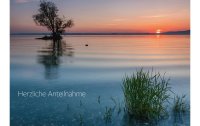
(185, 32)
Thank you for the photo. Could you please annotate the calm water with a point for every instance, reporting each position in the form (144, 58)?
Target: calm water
(96, 69)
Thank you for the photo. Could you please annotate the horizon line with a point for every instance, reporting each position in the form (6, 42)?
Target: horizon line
(182, 32)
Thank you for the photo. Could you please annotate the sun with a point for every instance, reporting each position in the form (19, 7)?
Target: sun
(158, 31)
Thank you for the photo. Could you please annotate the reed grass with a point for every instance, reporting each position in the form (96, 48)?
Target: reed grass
(180, 104)
(145, 94)
(81, 122)
(108, 115)
(99, 99)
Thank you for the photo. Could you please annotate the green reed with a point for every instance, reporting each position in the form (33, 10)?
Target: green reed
(145, 94)
(180, 104)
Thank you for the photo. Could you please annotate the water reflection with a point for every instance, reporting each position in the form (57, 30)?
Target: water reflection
(50, 57)
(177, 119)
(99, 69)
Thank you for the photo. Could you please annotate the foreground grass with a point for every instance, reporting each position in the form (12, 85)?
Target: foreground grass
(145, 94)
(180, 105)
(145, 97)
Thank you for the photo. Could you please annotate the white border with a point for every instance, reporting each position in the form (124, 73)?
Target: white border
(195, 62)
(5, 62)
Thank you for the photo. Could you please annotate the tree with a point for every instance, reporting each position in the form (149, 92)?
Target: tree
(48, 17)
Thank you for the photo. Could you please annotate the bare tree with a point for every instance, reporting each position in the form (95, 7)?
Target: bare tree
(48, 17)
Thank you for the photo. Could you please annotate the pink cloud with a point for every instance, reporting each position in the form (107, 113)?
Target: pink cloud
(24, 1)
(154, 16)
(21, 1)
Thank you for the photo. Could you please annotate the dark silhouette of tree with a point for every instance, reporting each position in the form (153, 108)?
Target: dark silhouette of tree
(48, 17)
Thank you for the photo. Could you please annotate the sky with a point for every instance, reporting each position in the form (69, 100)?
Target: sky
(107, 15)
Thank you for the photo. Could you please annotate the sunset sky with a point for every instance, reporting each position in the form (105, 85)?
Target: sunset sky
(108, 15)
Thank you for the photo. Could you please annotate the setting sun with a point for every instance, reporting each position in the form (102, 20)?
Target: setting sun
(158, 31)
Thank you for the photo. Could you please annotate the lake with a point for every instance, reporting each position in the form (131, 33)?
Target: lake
(96, 69)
